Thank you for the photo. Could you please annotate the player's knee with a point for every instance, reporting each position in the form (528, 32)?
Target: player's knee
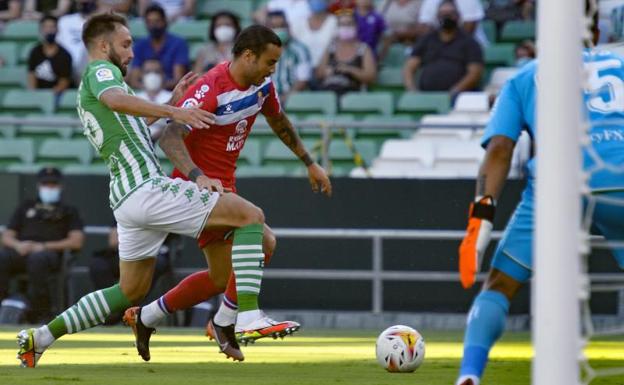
(253, 216)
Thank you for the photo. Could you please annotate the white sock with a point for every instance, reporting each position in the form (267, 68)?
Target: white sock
(152, 314)
(225, 316)
(247, 317)
(43, 338)
(474, 379)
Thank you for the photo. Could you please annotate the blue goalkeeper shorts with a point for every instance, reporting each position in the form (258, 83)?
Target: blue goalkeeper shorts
(514, 253)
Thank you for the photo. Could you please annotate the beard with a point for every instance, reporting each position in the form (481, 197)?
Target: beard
(116, 60)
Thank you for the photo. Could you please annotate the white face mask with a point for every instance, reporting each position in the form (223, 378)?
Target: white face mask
(152, 81)
(225, 33)
(49, 195)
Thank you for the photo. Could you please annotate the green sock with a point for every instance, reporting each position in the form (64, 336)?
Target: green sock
(248, 262)
(91, 310)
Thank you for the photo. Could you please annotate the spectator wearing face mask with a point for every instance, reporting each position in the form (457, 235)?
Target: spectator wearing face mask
(294, 69)
(348, 64)
(153, 80)
(38, 232)
(49, 65)
(470, 12)
(172, 51)
(318, 31)
(70, 35)
(224, 28)
(451, 59)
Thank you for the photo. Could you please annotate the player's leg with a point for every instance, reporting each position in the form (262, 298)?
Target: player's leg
(609, 219)
(488, 313)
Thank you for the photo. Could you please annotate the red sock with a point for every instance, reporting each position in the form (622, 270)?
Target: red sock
(230, 289)
(192, 290)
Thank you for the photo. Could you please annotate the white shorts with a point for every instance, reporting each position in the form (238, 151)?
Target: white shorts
(159, 207)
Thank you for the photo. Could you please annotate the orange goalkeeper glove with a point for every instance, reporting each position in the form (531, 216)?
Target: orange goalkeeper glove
(476, 239)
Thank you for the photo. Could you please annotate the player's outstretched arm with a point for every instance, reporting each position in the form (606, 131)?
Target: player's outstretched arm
(283, 128)
(119, 101)
(172, 143)
(490, 181)
(177, 93)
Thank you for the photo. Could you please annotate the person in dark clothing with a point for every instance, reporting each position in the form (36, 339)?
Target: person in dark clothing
(49, 64)
(451, 60)
(38, 233)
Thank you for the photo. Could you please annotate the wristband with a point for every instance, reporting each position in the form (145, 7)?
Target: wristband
(483, 208)
(194, 174)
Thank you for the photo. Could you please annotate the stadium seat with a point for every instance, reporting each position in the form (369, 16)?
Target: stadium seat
(86, 169)
(385, 130)
(65, 152)
(67, 103)
(191, 30)
(468, 102)
(13, 77)
(305, 103)
(194, 50)
(137, 28)
(367, 102)
(44, 132)
(389, 79)
(420, 103)
(24, 168)
(28, 101)
(276, 153)
(418, 153)
(499, 55)
(261, 171)
(24, 51)
(396, 56)
(459, 156)
(12, 150)
(518, 30)
(9, 53)
(251, 153)
(489, 28)
(21, 30)
(242, 8)
(342, 155)
(499, 76)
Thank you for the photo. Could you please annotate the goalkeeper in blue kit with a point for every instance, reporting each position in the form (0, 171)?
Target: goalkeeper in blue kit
(512, 261)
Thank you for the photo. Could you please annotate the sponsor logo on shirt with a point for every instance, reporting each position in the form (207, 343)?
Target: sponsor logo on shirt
(237, 141)
(228, 109)
(190, 102)
(201, 92)
(104, 74)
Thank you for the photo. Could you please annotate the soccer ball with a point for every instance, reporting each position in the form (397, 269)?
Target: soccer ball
(400, 349)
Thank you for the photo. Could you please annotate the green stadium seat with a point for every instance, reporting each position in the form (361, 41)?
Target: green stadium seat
(21, 30)
(191, 30)
(67, 103)
(341, 155)
(518, 30)
(7, 130)
(86, 169)
(497, 55)
(251, 153)
(16, 150)
(194, 50)
(305, 103)
(28, 101)
(64, 152)
(420, 103)
(361, 103)
(13, 77)
(24, 168)
(396, 56)
(24, 51)
(489, 28)
(389, 79)
(380, 134)
(261, 171)
(38, 131)
(9, 53)
(137, 28)
(242, 8)
(277, 153)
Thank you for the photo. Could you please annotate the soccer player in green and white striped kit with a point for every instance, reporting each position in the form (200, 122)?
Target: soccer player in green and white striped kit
(147, 205)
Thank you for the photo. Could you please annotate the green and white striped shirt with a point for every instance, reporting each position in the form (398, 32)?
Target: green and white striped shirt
(294, 65)
(123, 141)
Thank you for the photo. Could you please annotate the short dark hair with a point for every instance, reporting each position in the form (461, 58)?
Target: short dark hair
(277, 13)
(255, 38)
(155, 8)
(217, 15)
(101, 24)
(48, 17)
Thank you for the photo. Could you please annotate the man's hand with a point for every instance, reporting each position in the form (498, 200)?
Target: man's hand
(476, 240)
(180, 88)
(24, 248)
(319, 179)
(205, 183)
(194, 116)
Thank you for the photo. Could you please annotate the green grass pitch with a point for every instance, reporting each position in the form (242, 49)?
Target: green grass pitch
(184, 356)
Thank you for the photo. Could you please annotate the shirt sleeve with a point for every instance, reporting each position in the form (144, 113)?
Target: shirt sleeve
(507, 116)
(200, 92)
(418, 50)
(104, 77)
(66, 67)
(272, 106)
(475, 53)
(16, 221)
(33, 59)
(74, 220)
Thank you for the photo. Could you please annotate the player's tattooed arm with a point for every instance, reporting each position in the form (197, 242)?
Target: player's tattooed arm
(284, 129)
(172, 143)
(495, 167)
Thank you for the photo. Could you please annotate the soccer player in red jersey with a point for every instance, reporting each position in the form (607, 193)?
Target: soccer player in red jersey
(235, 92)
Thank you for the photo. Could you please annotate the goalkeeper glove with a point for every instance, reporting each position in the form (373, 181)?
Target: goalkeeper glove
(476, 239)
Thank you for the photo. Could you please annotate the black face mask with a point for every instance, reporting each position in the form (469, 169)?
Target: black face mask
(448, 23)
(157, 32)
(87, 7)
(49, 38)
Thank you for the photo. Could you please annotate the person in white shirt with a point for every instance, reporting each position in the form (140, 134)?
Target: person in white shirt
(295, 10)
(318, 31)
(174, 9)
(153, 80)
(471, 13)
